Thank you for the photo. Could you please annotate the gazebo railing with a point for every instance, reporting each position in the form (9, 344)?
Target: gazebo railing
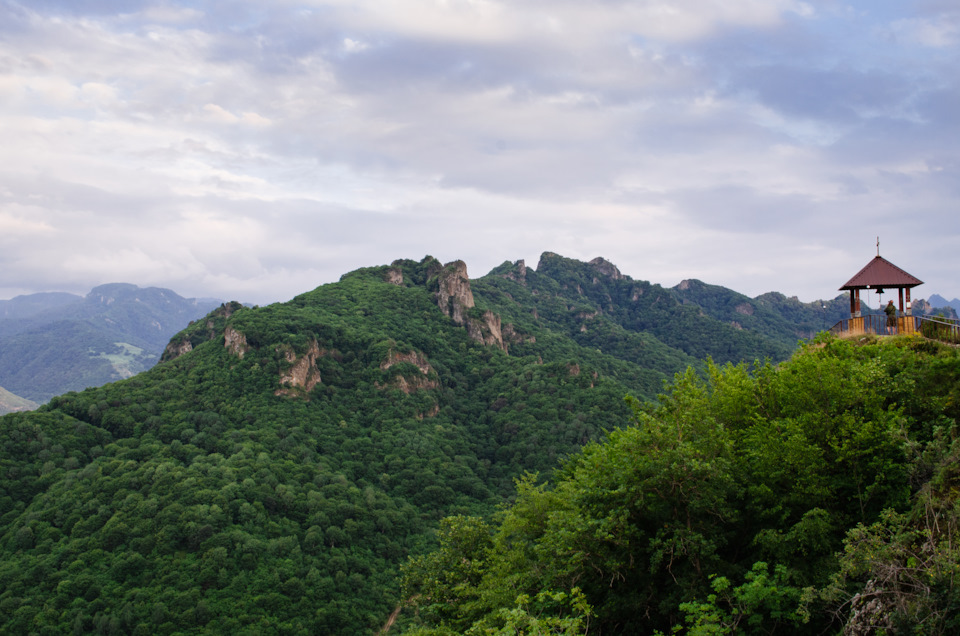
(940, 328)
(933, 327)
(876, 324)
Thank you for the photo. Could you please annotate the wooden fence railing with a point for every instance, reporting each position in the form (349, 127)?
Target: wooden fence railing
(936, 328)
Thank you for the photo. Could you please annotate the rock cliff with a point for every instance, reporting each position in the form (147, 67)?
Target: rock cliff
(453, 293)
(455, 299)
(303, 374)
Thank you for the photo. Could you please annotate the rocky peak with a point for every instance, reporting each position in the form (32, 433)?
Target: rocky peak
(453, 292)
(545, 258)
(518, 273)
(606, 268)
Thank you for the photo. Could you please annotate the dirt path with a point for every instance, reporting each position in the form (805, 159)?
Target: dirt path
(390, 621)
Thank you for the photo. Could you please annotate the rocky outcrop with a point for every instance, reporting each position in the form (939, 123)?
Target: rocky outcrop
(175, 349)
(455, 298)
(394, 276)
(487, 331)
(519, 273)
(744, 308)
(409, 382)
(453, 294)
(235, 342)
(200, 331)
(606, 268)
(413, 357)
(302, 375)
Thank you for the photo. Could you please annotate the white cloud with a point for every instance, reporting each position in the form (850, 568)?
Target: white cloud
(253, 152)
(940, 32)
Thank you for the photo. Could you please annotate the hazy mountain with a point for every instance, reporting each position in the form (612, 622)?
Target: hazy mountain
(937, 302)
(52, 343)
(21, 308)
(10, 403)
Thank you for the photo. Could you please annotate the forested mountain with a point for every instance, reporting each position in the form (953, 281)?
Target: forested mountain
(281, 462)
(784, 319)
(51, 343)
(273, 471)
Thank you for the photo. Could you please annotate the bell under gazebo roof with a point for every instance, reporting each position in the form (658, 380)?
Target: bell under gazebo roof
(880, 273)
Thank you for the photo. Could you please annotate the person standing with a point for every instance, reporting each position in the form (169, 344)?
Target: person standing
(891, 312)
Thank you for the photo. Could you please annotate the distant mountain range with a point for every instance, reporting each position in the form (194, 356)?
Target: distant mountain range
(51, 343)
(937, 302)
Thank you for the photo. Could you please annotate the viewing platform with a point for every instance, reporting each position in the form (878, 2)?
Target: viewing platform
(933, 327)
(879, 275)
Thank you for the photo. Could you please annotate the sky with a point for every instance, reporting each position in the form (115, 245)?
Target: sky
(251, 150)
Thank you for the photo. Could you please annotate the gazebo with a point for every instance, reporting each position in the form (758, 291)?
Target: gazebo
(878, 275)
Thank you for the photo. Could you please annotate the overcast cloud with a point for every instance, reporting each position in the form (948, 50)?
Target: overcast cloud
(250, 150)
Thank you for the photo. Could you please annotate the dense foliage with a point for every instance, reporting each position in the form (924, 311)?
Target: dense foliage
(788, 499)
(213, 493)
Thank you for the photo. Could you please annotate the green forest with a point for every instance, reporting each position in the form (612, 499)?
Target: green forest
(530, 452)
(812, 497)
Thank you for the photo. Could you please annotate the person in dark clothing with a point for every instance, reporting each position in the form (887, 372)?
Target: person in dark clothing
(891, 312)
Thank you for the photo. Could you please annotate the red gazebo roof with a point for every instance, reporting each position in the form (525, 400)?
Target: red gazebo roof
(881, 273)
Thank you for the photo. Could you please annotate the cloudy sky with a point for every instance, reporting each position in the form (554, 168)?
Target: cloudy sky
(254, 150)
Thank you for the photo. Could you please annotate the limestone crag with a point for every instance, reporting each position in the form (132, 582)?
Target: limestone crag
(519, 274)
(413, 357)
(394, 276)
(235, 341)
(488, 331)
(409, 383)
(453, 293)
(176, 349)
(303, 373)
(455, 298)
(606, 268)
(197, 333)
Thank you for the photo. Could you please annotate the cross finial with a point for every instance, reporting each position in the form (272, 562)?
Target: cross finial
(878, 246)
